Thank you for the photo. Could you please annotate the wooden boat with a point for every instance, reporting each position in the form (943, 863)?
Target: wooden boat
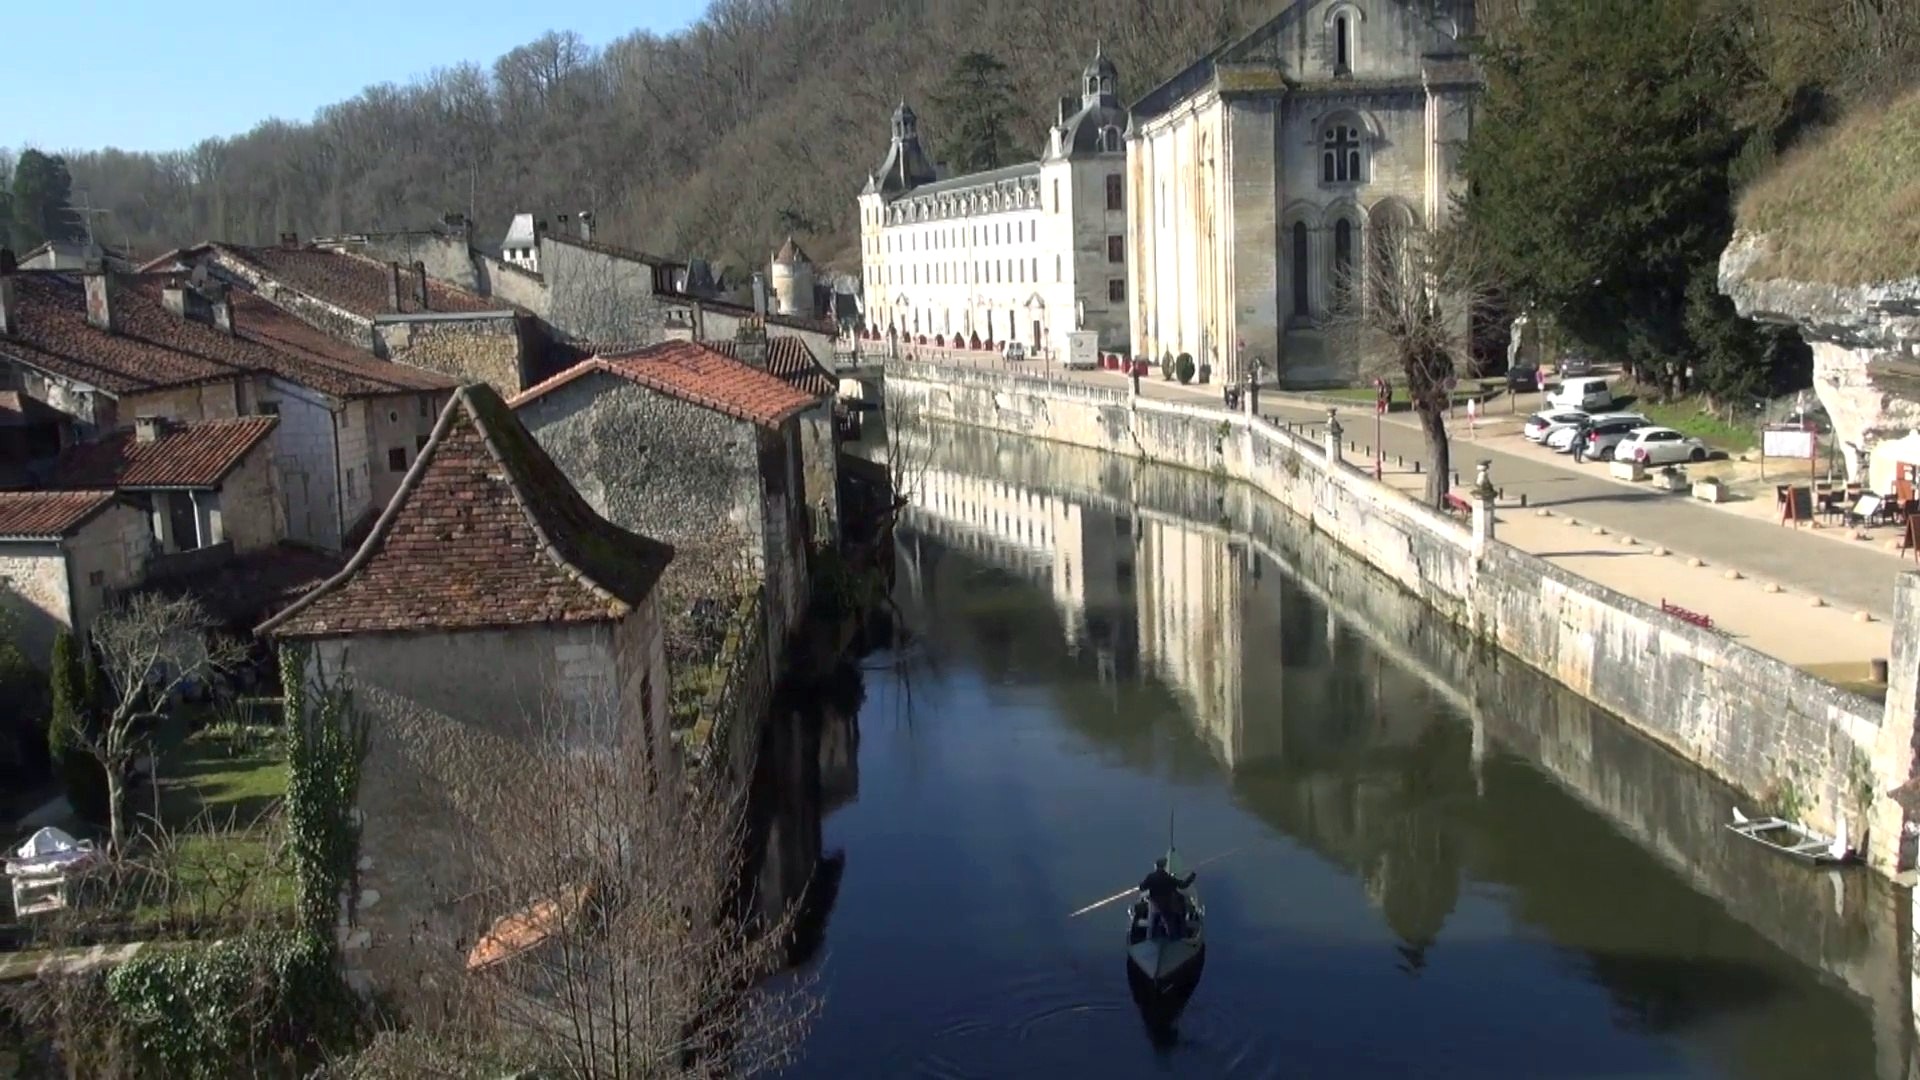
(1163, 962)
(1792, 839)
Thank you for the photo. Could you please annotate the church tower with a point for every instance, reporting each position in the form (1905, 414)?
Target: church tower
(907, 165)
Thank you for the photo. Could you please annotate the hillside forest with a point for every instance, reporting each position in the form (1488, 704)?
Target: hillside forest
(1607, 161)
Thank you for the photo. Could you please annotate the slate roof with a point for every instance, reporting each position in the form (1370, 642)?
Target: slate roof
(155, 349)
(185, 456)
(694, 373)
(485, 532)
(357, 283)
(789, 360)
(47, 515)
(790, 254)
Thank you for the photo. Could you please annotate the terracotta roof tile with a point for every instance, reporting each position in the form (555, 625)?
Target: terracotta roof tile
(485, 532)
(697, 374)
(789, 359)
(186, 456)
(357, 283)
(155, 348)
(47, 515)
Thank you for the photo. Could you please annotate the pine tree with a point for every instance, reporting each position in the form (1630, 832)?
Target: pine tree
(75, 683)
(978, 104)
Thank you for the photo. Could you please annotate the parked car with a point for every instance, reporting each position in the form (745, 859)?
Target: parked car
(1563, 439)
(1574, 365)
(1601, 436)
(1659, 446)
(1014, 352)
(1586, 394)
(1541, 425)
(1524, 378)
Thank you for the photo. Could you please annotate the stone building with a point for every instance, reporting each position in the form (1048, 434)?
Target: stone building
(1258, 177)
(204, 485)
(701, 450)
(61, 555)
(787, 358)
(792, 274)
(397, 313)
(162, 345)
(489, 611)
(1029, 252)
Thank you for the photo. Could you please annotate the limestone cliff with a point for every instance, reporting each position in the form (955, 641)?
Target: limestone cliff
(1865, 340)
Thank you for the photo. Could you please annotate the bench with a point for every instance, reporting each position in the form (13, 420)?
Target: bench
(1704, 622)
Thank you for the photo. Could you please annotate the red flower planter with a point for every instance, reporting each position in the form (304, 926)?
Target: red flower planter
(1139, 367)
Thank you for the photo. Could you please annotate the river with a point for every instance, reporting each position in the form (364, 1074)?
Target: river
(1434, 862)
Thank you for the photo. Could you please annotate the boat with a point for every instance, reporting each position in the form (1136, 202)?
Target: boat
(1167, 963)
(1797, 841)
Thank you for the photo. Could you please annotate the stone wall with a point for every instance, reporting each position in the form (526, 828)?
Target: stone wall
(1751, 720)
(600, 297)
(303, 457)
(481, 348)
(33, 596)
(820, 472)
(187, 404)
(250, 514)
(505, 281)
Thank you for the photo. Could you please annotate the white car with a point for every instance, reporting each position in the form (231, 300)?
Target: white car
(1617, 424)
(1659, 446)
(1541, 425)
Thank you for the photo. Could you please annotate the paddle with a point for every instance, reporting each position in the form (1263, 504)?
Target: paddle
(1124, 893)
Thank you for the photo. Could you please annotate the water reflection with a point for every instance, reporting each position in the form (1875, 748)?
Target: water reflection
(1448, 866)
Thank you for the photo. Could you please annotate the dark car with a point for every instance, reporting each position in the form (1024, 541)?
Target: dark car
(1574, 365)
(1523, 378)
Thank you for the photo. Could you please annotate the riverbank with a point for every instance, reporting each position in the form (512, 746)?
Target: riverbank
(1768, 729)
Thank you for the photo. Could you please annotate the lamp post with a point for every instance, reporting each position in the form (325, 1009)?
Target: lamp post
(1379, 411)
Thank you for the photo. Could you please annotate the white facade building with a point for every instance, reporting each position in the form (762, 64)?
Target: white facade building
(522, 244)
(1027, 253)
(1257, 176)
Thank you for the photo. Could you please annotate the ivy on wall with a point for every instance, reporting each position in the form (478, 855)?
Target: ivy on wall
(325, 747)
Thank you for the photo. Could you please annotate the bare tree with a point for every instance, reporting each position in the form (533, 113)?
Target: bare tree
(1404, 310)
(615, 934)
(149, 647)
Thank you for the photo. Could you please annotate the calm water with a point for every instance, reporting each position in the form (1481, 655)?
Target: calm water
(1440, 866)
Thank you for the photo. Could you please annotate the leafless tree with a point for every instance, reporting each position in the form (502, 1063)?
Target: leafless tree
(1405, 312)
(613, 926)
(150, 647)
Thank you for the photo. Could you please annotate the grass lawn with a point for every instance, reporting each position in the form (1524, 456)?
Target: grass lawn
(1688, 415)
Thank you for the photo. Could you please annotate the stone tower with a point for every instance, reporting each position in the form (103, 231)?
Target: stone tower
(793, 280)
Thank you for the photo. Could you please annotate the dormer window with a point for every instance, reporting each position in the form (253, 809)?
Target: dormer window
(1106, 84)
(1093, 84)
(1110, 139)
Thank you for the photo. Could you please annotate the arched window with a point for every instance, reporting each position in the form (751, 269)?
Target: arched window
(1340, 155)
(1302, 306)
(1342, 260)
(1110, 139)
(1342, 46)
(1106, 84)
(1093, 84)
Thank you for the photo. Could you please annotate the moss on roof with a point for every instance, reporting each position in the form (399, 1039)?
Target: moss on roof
(1844, 210)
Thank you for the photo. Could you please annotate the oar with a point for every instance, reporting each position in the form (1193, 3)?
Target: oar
(1124, 893)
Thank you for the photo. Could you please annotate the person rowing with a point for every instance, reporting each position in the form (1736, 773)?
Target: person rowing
(1163, 892)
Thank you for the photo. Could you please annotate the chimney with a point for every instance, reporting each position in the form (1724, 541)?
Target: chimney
(148, 429)
(759, 288)
(750, 343)
(585, 218)
(173, 297)
(101, 290)
(220, 306)
(393, 286)
(678, 326)
(290, 241)
(420, 284)
(9, 299)
(456, 225)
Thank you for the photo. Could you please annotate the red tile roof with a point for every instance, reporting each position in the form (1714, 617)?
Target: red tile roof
(789, 360)
(47, 515)
(357, 283)
(185, 456)
(485, 532)
(155, 349)
(693, 373)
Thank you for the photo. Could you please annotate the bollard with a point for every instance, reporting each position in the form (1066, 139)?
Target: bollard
(1879, 667)
(1523, 500)
(1416, 465)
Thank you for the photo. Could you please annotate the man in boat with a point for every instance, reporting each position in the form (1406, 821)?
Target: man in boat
(1163, 892)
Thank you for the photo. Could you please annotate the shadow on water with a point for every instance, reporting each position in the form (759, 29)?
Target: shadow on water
(1447, 865)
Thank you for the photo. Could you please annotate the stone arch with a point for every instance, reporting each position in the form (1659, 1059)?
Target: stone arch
(1343, 264)
(1300, 240)
(1340, 28)
(1344, 143)
(1389, 222)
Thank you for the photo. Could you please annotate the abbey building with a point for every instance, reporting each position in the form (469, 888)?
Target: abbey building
(1257, 177)
(1027, 253)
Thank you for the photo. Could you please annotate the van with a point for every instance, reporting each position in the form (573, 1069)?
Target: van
(1587, 394)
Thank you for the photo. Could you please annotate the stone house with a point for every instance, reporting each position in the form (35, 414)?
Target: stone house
(62, 553)
(397, 313)
(162, 345)
(1258, 178)
(488, 602)
(701, 450)
(788, 359)
(207, 487)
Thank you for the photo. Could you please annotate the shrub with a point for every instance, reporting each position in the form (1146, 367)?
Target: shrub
(1183, 368)
(75, 679)
(23, 715)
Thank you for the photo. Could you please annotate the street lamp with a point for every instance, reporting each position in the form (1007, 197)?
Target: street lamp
(1379, 411)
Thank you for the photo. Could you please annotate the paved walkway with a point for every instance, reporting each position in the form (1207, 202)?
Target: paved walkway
(1814, 598)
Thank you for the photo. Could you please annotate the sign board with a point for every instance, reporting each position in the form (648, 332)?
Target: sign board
(1798, 506)
(1787, 443)
(1083, 349)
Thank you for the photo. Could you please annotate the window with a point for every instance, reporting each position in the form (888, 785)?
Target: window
(1056, 196)
(397, 459)
(1036, 268)
(1342, 47)
(1117, 290)
(1110, 140)
(1342, 253)
(97, 578)
(1056, 269)
(1301, 307)
(1116, 192)
(351, 493)
(1116, 249)
(425, 406)
(1340, 155)
(346, 418)
(420, 443)
(269, 408)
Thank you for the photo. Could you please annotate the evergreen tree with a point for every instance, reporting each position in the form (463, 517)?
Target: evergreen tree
(75, 678)
(40, 209)
(978, 104)
(1599, 167)
(23, 710)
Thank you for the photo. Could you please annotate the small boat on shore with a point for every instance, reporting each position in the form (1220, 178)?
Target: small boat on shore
(1796, 841)
(1162, 962)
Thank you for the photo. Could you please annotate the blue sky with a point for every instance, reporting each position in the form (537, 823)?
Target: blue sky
(161, 75)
